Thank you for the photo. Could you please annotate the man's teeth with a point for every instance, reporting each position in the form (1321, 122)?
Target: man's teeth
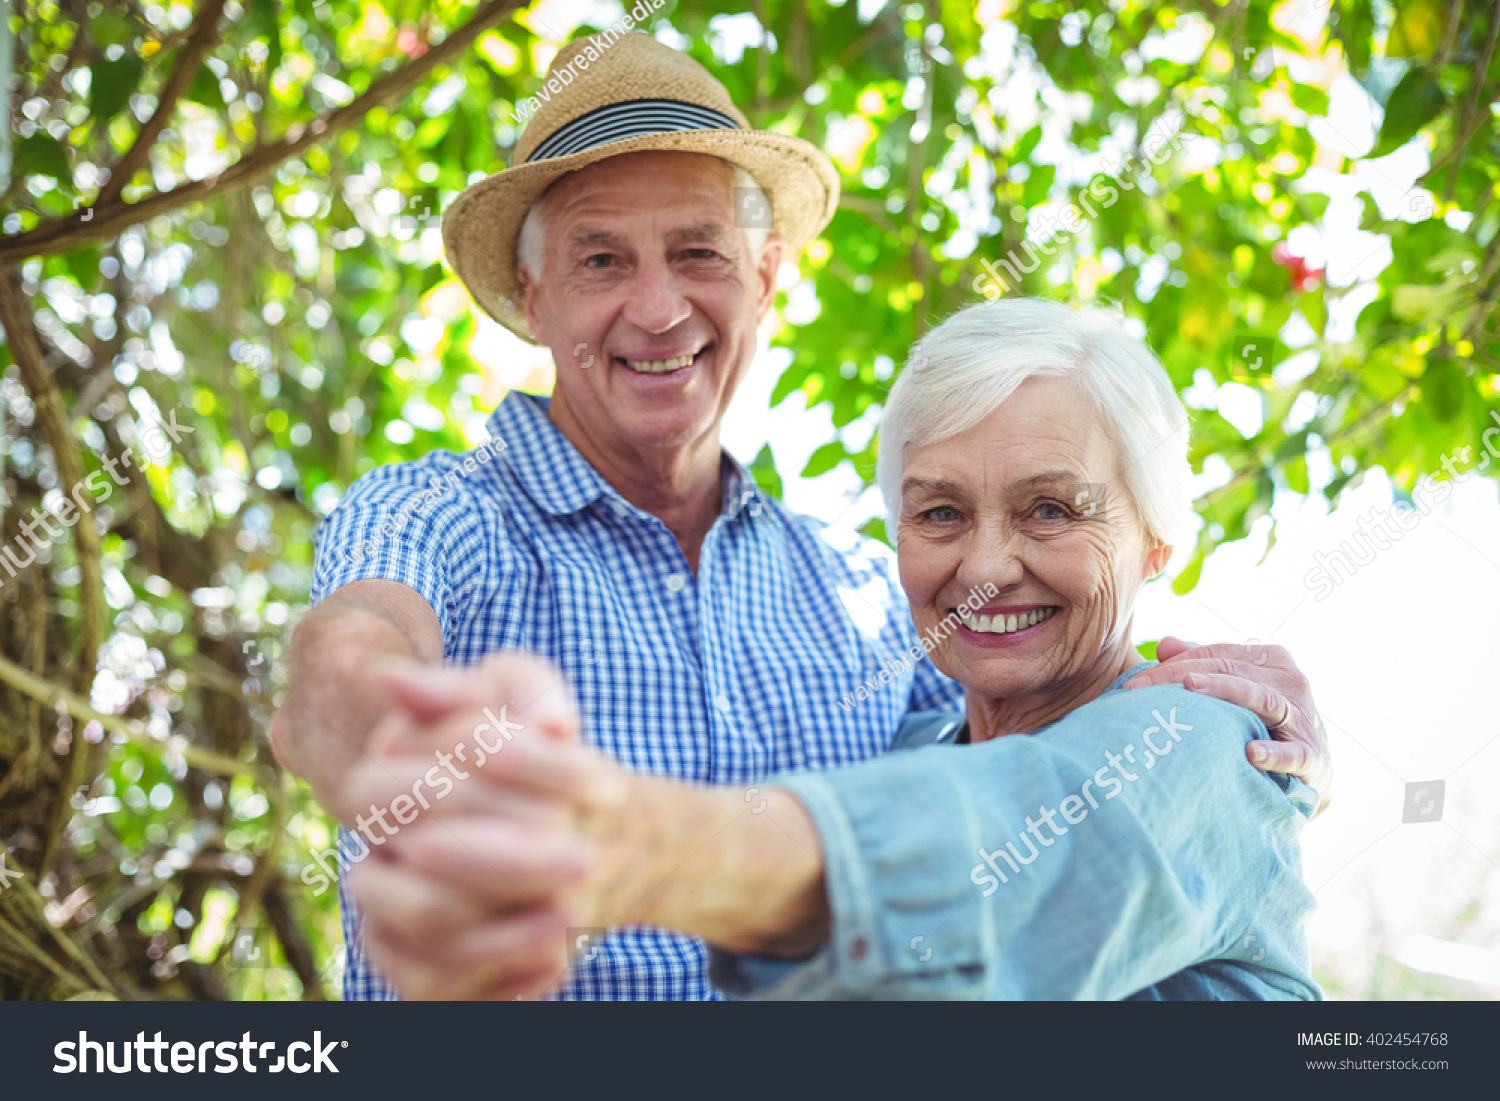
(1004, 624)
(660, 366)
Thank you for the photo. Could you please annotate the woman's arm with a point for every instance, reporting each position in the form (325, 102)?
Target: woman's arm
(1122, 845)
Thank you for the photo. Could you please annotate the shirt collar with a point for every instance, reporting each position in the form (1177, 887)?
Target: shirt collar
(560, 480)
(548, 466)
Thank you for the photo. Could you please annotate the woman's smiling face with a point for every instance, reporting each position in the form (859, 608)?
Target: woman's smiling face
(1032, 500)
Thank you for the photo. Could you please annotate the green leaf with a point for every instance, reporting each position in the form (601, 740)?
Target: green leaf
(205, 89)
(1039, 184)
(1418, 29)
(790, 381)
(110, 28)
(1184, 582)
(111, 84)
(1446, 389)
(1414, 103)
(1309, 98)
(825, 459)
(766, 475)
(1296, 475)
(1314, 307)
(84, 266)
(1028, 143)
(1425, 304)
(1382, 379)
(431, 131)
(42, 155)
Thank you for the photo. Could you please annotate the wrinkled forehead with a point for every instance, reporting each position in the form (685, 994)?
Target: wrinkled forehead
(1045, 434)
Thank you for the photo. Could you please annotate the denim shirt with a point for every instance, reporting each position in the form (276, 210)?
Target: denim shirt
(1126, 850)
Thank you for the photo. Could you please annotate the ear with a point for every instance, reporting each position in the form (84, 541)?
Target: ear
(770, 264)
(1156, 561)
(528, 303)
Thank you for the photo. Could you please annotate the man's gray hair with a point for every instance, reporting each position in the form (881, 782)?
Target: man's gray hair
(530, 249)
(961, 372)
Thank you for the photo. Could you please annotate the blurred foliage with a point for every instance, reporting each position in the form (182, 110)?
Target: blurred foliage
(229, 216)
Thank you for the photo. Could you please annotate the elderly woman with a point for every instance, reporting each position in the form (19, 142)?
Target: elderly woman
(1064, 837)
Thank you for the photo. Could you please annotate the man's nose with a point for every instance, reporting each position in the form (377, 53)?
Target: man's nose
(656, 302)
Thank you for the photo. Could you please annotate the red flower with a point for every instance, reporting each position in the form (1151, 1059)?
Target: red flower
(409, 42)
(1304, 278)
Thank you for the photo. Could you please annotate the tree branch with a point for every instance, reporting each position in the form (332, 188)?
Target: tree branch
(77, 954)
(1450, 36)
(1474, 109)
(107, 220)
(278, 909)
(57, 696)
(204, 32)
(21, 941)
(27, 353)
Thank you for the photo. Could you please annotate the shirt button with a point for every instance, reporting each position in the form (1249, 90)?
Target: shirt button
(620, 507)
(676, 582)
(858, 947)
(722, 703)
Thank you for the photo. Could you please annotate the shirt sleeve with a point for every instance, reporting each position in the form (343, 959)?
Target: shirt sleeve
(1115, 848)
(408, 522)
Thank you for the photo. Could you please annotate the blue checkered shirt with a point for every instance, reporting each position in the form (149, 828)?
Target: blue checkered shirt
(747, 670)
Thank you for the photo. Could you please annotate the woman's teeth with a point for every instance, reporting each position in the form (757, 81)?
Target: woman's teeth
(659, 366)
(1004, 624)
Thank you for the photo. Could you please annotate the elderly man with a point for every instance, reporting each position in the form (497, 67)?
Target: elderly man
(692, 627)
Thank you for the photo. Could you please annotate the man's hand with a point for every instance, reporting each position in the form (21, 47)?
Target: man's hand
(1262, 679)
(470, 893)
(333, 704)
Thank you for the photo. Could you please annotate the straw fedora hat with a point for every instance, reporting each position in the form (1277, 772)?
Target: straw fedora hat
(610, 94)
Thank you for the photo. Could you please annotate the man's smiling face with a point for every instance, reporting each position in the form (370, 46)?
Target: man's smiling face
(644, 269)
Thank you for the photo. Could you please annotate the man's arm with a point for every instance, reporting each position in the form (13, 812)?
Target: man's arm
(335, 701)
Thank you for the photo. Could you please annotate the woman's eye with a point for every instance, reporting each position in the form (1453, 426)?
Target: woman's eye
(1049, 510)
(943, 514)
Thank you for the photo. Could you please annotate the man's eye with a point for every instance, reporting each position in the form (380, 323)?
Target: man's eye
(699, 254)
(599, 260)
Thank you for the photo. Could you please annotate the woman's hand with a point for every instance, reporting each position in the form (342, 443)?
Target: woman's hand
(1262, 679)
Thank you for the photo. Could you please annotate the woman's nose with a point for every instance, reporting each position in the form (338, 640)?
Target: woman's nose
(994, 556)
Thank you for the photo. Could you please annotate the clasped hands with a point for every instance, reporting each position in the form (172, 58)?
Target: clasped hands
(476, 870)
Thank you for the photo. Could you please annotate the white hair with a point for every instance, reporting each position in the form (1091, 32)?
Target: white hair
(961, 372)
(529, 244)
